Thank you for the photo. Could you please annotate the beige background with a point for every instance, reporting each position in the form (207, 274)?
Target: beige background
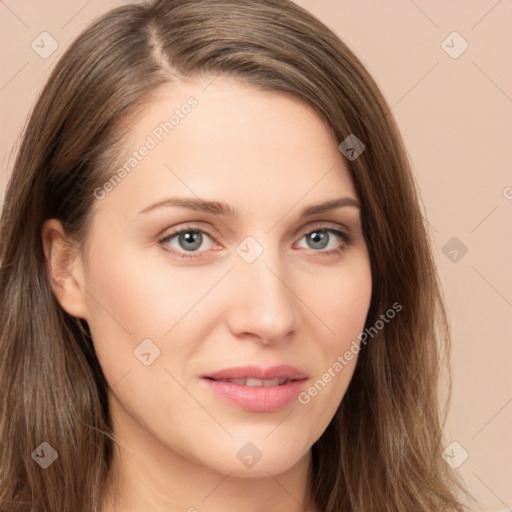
(456, 118)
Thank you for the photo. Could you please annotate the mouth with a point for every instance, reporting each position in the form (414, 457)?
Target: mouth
(256, 389)
(252, 382)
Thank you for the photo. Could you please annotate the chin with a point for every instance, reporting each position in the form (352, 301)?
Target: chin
(254, 460)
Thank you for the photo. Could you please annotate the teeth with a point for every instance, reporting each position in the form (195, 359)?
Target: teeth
(272, 382)
(257, 382)
(253, 382)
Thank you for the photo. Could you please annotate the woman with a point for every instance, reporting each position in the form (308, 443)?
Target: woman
(288, 358)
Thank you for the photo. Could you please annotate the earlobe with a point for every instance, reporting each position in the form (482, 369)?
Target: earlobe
(65, 269)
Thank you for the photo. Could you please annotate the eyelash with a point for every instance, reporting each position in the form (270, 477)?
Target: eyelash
(347, 241)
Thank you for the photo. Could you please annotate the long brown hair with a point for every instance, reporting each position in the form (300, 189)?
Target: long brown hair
(382, 450)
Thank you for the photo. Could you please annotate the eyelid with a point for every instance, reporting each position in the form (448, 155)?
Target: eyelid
(187, 226)
(325, 225)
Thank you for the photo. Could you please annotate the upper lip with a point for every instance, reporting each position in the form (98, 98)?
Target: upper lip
(258, 372)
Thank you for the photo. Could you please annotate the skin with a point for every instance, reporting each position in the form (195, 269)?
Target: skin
(269, 156)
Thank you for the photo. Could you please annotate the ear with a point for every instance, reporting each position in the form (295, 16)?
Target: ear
(65, 269)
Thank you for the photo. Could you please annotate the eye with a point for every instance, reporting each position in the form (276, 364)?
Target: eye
(187, 239)
(323, 238)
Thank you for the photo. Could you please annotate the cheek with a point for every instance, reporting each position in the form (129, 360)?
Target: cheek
(130, 292)
(133, 298)
(343, 304)
(128, 303)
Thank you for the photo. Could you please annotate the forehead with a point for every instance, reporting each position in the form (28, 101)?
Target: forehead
(228, 141)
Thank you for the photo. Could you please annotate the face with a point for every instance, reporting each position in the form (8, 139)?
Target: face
(220, 327)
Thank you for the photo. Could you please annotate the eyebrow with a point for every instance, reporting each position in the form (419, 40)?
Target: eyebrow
(219, 208)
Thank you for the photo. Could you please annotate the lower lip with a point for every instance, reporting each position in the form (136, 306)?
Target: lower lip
(257, 398)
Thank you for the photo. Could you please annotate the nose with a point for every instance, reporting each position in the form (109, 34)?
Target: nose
(262, 303)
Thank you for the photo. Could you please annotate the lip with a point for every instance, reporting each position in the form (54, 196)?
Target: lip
(257, 398)
(257, 372)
